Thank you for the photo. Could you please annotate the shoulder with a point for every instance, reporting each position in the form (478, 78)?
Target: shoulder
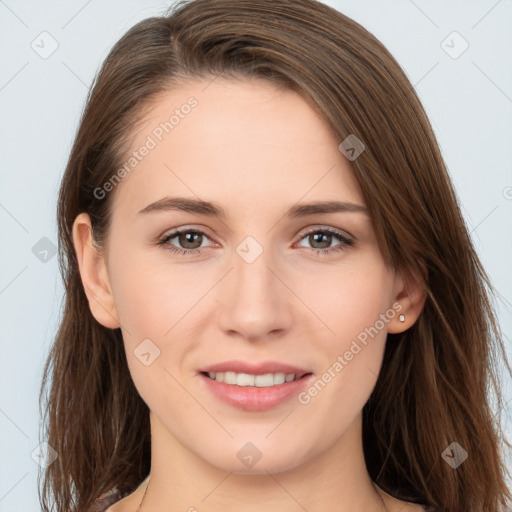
(397, 505)
(104, 501)
(412, 507)
(408, 506)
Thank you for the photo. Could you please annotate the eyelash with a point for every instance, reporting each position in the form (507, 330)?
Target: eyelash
(345, 241)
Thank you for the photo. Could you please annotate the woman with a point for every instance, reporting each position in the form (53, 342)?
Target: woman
(272, 300)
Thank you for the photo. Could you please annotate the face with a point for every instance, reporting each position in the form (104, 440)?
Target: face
(259, 329)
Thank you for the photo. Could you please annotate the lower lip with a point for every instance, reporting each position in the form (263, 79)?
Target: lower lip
(252, 398)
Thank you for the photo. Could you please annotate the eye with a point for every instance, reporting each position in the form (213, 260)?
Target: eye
(190, 241)
(322, 238)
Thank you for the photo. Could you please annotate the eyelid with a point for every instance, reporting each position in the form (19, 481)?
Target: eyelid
(301, 233)
(322, 227)
(345, 238)
(186, 229)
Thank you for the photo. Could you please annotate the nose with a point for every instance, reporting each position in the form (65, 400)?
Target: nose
(255, 303)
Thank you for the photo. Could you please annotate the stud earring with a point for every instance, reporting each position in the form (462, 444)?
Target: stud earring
(401, 318)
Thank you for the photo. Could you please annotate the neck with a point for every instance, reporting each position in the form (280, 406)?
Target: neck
(336, 479)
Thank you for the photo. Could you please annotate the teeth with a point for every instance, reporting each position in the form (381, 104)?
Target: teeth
(230, 378)
(246, 379)
(263, 381)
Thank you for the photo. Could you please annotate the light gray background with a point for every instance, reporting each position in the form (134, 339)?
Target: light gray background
(468, 99)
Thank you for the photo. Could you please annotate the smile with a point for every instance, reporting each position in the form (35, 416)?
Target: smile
(247, 379)
(254, 392)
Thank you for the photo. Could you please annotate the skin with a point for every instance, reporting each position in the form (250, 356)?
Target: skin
(256, 150)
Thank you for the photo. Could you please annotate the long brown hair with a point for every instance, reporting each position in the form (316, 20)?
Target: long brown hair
(435, 383)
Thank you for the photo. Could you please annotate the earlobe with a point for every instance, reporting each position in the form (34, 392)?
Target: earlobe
(409, 302)
(93, 272)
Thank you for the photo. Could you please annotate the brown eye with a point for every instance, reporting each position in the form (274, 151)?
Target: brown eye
(184, 242)
(321, 240)
(189, 239)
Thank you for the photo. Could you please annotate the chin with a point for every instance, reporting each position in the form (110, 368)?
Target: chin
(257, 457)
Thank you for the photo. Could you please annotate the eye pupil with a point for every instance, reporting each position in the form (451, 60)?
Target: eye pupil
(315, 237)
(190, 237)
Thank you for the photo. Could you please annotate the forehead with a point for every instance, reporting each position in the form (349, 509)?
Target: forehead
(238, 141)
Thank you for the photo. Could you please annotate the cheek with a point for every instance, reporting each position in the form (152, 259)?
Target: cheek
(157, 302)
(352, 349)
(351, 306)
(150, 302)
(352, 299)
(150, 298)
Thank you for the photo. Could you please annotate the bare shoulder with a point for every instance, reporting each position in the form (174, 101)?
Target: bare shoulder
(113, 501)
(396, 505)
(405, 506)
(129, 502)
(412, 507)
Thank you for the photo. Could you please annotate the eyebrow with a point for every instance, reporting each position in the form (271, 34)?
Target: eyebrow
(214, 210)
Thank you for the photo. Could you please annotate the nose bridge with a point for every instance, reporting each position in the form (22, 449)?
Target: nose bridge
(256, 304)
(252, 272)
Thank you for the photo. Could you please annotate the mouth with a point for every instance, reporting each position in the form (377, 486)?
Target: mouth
(254, 387)
(266, 380)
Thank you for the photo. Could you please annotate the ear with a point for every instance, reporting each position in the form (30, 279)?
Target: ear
(409, 301)
(93, 272)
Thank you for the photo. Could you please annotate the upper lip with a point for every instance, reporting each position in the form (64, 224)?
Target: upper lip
(262, 368)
